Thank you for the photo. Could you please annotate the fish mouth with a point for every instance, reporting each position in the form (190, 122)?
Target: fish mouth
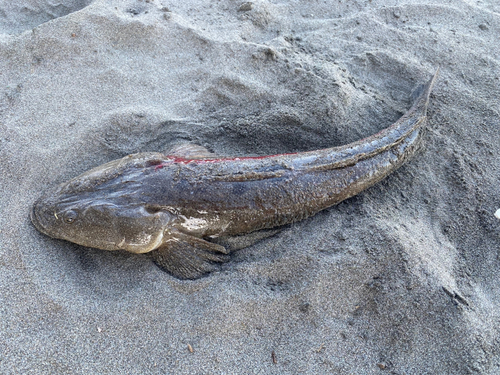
(37, 219)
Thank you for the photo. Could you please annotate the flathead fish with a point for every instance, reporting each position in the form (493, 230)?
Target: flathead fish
(175, 204)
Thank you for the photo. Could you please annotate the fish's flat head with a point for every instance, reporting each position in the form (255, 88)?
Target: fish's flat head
(76, 218)
(96, 209)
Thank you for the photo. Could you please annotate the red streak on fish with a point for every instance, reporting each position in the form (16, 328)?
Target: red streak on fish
(180, 160)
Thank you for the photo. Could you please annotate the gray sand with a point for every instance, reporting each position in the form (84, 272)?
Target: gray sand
(402, 279)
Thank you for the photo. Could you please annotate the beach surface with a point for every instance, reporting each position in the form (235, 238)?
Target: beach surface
(402, 279)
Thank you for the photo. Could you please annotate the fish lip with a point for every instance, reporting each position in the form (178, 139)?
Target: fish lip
(36, 219)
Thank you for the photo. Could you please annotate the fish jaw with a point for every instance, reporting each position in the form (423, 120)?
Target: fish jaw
(41, 218)
(47, 213)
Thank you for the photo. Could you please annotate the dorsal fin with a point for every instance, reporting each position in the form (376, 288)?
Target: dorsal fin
(190, 151)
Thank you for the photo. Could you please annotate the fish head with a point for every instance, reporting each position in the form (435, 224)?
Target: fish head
(95, 210)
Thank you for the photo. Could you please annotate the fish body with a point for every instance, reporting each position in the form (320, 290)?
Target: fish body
(174, 204)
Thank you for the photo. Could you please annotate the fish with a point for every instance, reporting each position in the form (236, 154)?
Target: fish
(176, 205)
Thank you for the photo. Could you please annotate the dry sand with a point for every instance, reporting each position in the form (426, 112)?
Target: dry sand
(402, 279)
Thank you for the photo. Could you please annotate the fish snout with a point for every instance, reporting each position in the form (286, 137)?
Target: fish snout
(42, 216)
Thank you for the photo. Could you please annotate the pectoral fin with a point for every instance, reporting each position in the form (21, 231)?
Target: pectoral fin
(188, 257)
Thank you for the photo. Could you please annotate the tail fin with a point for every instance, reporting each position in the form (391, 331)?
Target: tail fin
(422, 95)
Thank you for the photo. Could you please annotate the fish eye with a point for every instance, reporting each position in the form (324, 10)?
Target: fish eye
(70, 216)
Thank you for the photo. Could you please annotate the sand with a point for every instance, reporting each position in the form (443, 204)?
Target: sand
(401, 279)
